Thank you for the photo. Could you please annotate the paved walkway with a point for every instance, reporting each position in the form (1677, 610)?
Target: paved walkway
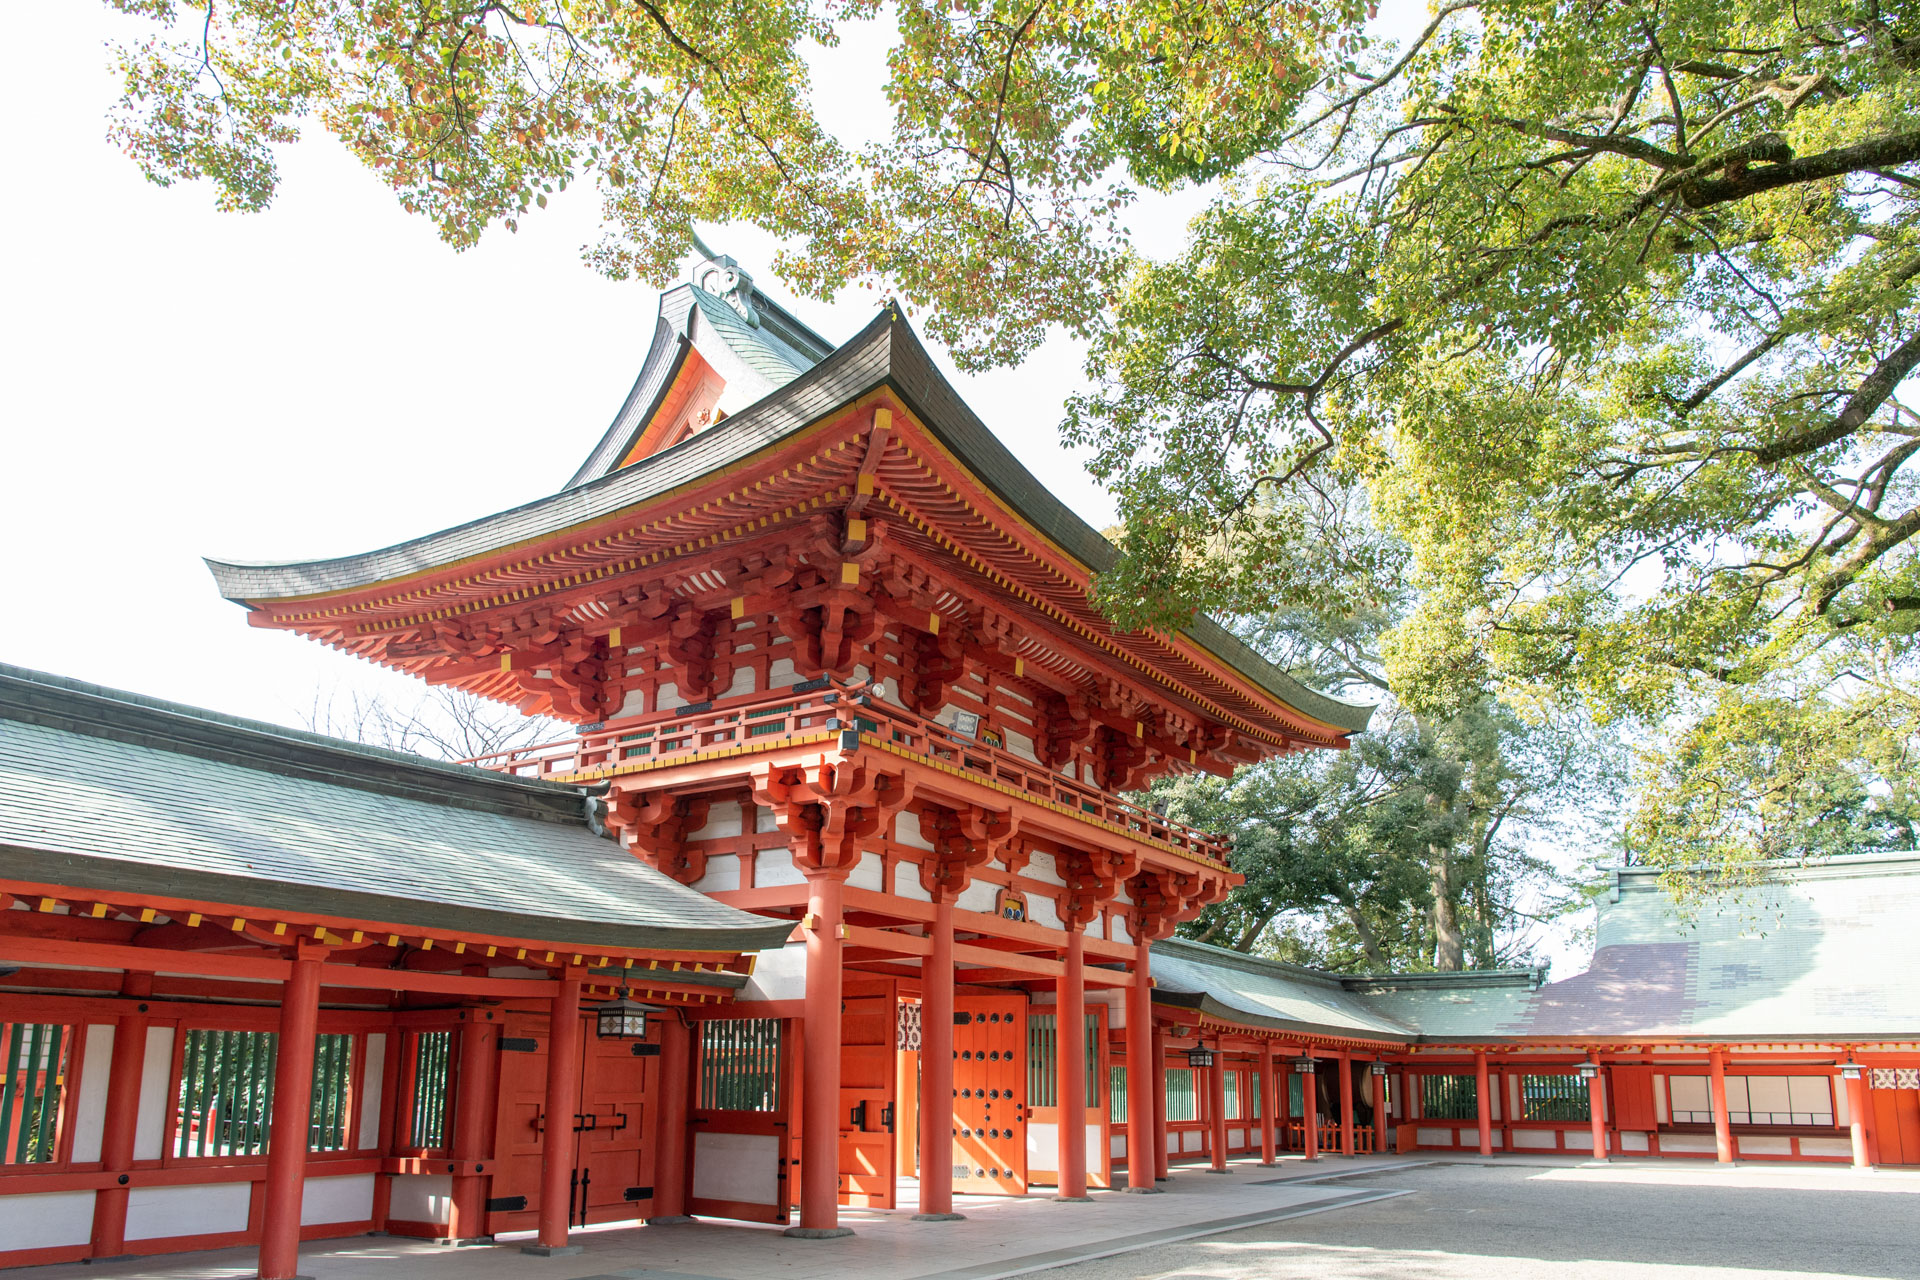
(1001, 1237)
(1669, 1220)
(1439, 1218)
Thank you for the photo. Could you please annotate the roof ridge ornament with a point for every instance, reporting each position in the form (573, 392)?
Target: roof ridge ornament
(720, 275)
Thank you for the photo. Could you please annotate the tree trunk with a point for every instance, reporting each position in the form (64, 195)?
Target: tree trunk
(1369, 940)
(1252, 935)
(1449, 948)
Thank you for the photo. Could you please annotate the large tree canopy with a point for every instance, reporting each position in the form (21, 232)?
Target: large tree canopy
(1607, 305)
(988, 199)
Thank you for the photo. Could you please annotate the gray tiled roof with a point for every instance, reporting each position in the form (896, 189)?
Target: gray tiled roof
(886, 352)
(1827, 952)
(101, 790)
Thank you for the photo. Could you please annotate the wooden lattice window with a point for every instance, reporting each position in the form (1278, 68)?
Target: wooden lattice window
(1449, 1098)
(432, 1094)
(1117, 1095)
(1043, 1056)
(740, 1064)
(1182, 1104)
(1554, 1098)
(33, 1082)
(225, 1105)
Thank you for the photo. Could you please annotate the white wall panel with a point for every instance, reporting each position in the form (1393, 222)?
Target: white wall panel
(979, 896)
(154, 1213)
(868, 873)
(46, 1221)
(156, 1073)
(736, 1166)
(722, 874)
(421, 1197)
(906, 830)
(723, 821)
(338, 1199)
(90, 1108)
(774, 867)
(373, 1079)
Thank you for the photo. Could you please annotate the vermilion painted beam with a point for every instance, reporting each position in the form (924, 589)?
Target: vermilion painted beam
(147, 960)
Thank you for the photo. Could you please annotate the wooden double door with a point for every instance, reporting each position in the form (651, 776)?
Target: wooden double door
(990, 1102)
(611, 1136)
(1894, 1096)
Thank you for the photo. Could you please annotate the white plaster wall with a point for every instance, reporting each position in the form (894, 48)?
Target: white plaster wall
(979, 896)
(156, 1070)
(1686, 1142)
(724, 820)
(906, 882)
(667, 696)
(775, 866)
(1116, 1145)
(1041, 911)
(736, 1166)
(373, 1078)
(722, 873)
(868, 873)
(764, 820)
(1840, 1113)
(634, 704)
(742, 682)
(1236, 1137)
(1660, 1099)
(46, 1221)
(342, 1199)
(1043, 868)
(153, 1213)
(780, 974)
(1434, 1137)
(1771, 1144)
(1043, 1146)
(1021, 745)
(1117, 930)
(90, 1108)
(906, 830)
(1824, 1146)
(780, 673)
(1633, 1141)
(1689, 1093)
(1539, 1139)
(1190, 1140)
(421, 1197)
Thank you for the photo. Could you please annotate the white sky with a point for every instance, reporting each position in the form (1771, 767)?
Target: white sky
(320, 379)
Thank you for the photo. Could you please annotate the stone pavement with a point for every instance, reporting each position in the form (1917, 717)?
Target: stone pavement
(1001, 1237)
(1467, 1219)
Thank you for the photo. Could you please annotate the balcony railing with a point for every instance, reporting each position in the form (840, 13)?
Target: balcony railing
(766, 720)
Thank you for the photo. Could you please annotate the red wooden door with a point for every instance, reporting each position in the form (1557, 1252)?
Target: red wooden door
(868, 1034)
(1632, 1087)
(1896, 1122)
(742, 1120)
(611, 1136)
(990, 1109)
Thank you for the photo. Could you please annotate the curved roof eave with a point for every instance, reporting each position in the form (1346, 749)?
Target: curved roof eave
(886, 352)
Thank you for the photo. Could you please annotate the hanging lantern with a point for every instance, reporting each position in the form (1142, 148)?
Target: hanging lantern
(1304, 1064)
(1850, 1071)
(1378, 1068)
(1200, 1057)
(621, 1019)
(1589, 1070)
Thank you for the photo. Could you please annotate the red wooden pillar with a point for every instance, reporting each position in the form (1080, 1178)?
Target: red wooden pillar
(1855, 1079)
(1310, 1108)
(563, 1101)
(1379, 1079)
(116, 1141)
(1217, 1111)
(473, 1119)
(670, 1143)
(292, 1121)
(1271, 1100)
(1161, 1170)
(936, 1072)
(1596, 1108)
(1722, 1124)
(1346, 1104)
(1483, 1095)
(1145, 1131)
(820, 1096)
(1071, 1005)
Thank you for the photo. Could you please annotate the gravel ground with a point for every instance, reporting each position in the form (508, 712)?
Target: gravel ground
(1478, 1222)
